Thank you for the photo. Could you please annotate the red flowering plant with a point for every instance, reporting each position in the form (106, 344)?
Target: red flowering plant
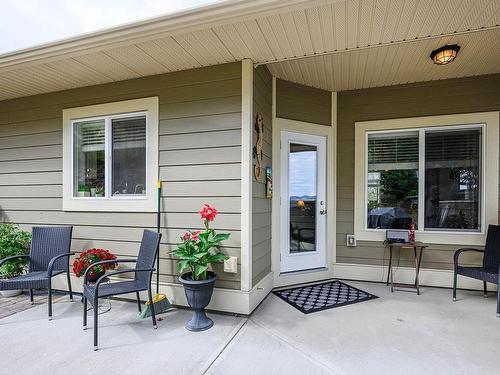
(199, 249)
(88, 257)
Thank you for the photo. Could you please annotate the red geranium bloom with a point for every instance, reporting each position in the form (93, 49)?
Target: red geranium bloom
(88, 257)
(208, 212)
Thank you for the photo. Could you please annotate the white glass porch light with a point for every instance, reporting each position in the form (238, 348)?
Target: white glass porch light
(445, 54)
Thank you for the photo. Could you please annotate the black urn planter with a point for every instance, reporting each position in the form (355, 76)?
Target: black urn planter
(198, 294)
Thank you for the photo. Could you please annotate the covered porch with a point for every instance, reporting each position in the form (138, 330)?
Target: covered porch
(351, 82)
(393, 334)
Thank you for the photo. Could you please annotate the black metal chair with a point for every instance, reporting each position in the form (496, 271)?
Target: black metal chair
(142, 280)
(490, 271)
(48, 257)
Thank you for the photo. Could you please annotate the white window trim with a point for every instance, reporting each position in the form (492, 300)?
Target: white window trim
(489, 194)
(147, 106)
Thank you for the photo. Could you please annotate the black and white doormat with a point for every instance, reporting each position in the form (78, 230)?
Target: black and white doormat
(322, 296)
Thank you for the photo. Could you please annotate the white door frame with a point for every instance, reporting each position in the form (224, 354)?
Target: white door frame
(308, 260)
(278, 125)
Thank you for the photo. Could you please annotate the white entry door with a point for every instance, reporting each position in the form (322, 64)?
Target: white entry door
(303, 201)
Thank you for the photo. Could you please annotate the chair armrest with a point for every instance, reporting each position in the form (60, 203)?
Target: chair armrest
(5, 260)
(110, 261)
(460, 251)
(103, 277)
(53, 260)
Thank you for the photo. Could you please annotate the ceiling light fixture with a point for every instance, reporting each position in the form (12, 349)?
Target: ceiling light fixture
(445, 54)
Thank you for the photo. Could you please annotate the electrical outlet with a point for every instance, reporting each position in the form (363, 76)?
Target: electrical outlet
(351, 240)
(231, 265)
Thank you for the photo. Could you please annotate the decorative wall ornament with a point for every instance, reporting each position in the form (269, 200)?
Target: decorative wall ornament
(269, 183)
(257, 150)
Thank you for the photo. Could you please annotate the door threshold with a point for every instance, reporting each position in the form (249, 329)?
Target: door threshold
(309, 270)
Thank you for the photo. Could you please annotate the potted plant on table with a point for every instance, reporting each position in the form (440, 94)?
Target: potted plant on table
(87, 258)
(13, 241)
(83, 191)
(197, 251)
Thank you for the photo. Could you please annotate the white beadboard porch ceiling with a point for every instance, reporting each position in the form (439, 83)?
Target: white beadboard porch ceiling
(336, 45)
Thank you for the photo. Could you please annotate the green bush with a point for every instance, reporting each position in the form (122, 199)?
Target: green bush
(13, 241)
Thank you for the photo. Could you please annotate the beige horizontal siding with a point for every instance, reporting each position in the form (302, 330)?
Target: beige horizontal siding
(32, 178)
(201, 124)
(303, 103)
(464, 95)
(227, 171)
(201, 156)
(199, 162)
(261, 206)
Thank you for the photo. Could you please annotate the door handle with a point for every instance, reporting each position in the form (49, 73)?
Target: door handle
(322, 212)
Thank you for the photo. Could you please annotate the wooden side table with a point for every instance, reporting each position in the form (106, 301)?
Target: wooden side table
(418, 249)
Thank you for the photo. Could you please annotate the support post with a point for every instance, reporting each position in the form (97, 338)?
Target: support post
(246, 173)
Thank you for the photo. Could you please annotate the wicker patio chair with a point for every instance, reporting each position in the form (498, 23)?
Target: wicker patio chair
(490, 271)
(141, 281)
(48, 257)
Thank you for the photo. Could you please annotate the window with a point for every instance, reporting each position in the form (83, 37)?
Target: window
(392, 180)
(451, 173)
(439, 173)
(111, 156)
(125, 147)
(453, 179)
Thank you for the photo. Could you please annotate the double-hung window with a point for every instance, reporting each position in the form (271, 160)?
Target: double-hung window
(435, 176)
(110, 156)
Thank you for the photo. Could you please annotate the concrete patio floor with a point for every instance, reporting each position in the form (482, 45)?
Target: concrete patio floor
(398, 333)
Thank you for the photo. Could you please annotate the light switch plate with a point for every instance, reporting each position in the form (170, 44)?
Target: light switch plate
(231, 265)
(351, 240)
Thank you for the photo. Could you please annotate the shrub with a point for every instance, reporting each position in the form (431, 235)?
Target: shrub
(13, 241)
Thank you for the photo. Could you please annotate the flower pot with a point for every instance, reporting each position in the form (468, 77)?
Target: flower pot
(93, 277)
(10, 293)
(198, 294)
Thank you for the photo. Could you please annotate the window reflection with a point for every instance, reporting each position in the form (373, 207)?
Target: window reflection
(129, 156)
(392, 189)
(452, 179)
(302, 191)
(88, 159)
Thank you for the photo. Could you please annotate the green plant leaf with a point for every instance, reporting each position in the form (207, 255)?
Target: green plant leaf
(217, 257)
(200, 255)
(200, 270)
(182, 265)
(221, 237)
(204, 236)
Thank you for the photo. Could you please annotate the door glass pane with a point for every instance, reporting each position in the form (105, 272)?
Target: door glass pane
(88, 159)
(129, 156)
(302, 188)
(392, 191)
(452, 179)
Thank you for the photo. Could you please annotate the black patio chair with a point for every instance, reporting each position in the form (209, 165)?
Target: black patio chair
(141, 281)
(490, 271)
(48, 257)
